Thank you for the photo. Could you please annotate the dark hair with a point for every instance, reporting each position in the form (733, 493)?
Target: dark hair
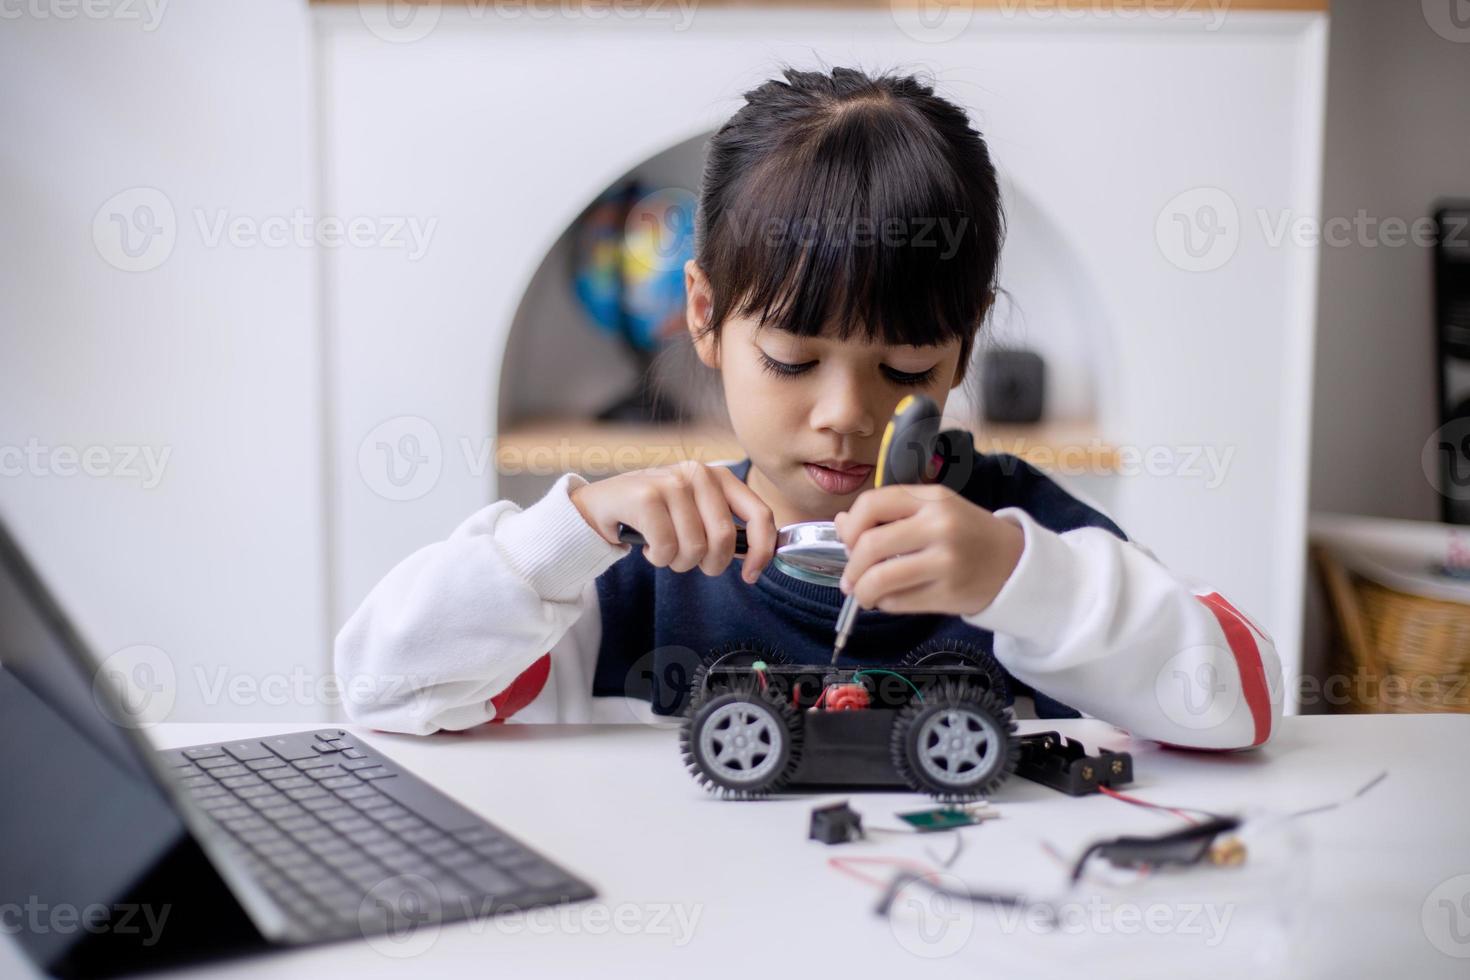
(867, 205)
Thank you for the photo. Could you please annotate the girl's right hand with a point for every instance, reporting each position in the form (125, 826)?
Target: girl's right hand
(684, 512)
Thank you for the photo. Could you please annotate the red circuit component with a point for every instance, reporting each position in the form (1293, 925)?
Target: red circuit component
(846, 697)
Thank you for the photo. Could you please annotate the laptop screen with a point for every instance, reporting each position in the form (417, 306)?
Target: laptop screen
(40, 648)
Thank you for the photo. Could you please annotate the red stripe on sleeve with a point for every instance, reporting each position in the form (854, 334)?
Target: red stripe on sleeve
(1247, 662)
(523, 690)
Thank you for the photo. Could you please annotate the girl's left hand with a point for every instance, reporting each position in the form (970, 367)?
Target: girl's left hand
(925, 548)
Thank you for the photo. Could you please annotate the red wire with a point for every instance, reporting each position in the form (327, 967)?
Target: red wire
(1152, 806)
(841, 864)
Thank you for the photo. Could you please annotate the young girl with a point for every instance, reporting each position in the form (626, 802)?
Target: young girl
(847, 241)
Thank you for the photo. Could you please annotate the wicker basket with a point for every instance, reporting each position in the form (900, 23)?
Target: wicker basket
(1397, 652)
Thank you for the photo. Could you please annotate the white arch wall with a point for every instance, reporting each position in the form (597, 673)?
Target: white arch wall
(502, 130)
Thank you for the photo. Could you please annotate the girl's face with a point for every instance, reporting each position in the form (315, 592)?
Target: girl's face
(810, 411)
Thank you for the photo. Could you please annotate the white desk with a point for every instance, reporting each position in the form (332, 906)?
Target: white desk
(709, 888)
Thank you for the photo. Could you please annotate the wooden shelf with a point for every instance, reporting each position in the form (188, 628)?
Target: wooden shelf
(549, 447)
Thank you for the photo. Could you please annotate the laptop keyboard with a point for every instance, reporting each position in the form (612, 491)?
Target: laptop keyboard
(347, 843)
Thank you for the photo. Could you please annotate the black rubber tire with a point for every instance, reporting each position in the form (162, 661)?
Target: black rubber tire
(728, 655)
(958, 653)
(983, 709)
(782, 721)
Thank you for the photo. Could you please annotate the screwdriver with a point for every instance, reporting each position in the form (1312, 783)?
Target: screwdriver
(906, 455)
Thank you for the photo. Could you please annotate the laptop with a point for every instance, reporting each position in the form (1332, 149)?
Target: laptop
(118, 857)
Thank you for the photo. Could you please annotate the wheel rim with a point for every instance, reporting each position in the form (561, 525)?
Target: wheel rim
(956, 746)
(741, 742)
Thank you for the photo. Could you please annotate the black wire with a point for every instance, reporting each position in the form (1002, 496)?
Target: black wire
(904, 878)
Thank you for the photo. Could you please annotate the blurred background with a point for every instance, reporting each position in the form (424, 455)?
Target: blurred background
(290, 289)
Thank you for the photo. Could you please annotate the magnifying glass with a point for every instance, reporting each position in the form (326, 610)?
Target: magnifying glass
(809, 551)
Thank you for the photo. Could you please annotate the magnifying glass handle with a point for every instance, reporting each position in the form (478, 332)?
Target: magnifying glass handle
(628, 535)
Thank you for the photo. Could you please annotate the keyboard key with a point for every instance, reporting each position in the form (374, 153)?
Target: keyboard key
(216, 761)
(389, 813)
(371, 802)
(476, 834)
(353, 753)
(225, 772)
(204, 752)
(336, 813)
(194, 782)
(378, 773)
(542, 876)
(326, 747)
(351, 764)
(291, 747)
(326, 772)
(240, 782)
(488, 879)
(322, 802)
(307, 793)
(399, 824)
(341, 782)
(245, 751)
(185, 769)
(315, 762)
(314, 833)
(295, 782)
(331, 734)
(459, 859)
(279, 775)
(279, 813)
(368, 835)
(353, 824)
(204, 792)
(214, 803)
(269, 762)
(256, 792)
(384, 848)
(239, 824)
(230, 812)
(441, 846)
(423, 835)
(293, 824)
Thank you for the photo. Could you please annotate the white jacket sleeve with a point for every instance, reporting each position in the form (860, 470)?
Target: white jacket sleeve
(456, 623)
(1100, 624)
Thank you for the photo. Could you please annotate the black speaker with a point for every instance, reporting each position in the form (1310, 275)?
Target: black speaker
(1012, 386)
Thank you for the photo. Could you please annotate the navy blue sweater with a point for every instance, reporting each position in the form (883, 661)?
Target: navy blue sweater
(658, 624)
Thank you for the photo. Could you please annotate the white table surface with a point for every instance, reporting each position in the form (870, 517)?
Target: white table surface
(1375, 888)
